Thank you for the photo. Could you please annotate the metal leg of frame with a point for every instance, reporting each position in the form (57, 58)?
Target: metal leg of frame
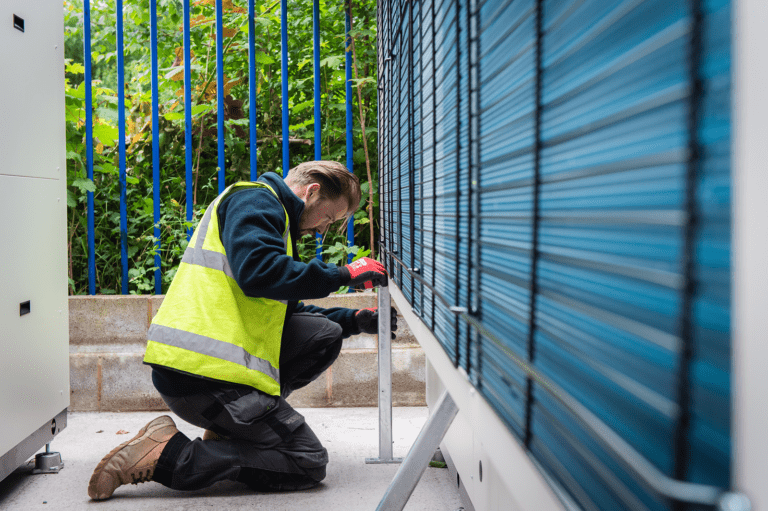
(409, 474)
(385, 381)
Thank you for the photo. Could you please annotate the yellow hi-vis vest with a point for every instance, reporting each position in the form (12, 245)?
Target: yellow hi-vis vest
(207, 326)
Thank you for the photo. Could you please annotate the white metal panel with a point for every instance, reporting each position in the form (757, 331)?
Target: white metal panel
(32, 89)
(34, 348)
(750, 250)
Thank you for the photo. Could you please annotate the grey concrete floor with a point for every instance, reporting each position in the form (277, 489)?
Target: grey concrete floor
(349, 434)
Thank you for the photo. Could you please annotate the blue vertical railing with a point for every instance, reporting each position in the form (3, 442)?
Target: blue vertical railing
(121, 148)
(155, 148)
(89, 144)
(188, 115)
(348, 78)
(284, 80)
(252, 86)
(220, 90)
(188, 139)
(318, 125)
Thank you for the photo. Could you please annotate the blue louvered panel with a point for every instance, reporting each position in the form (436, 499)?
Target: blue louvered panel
(507, 108)
(587, 175)
(384, 21)
(573, 457)
(416, 148)
(615, 87)
(403, 134)
(446, 110)
(461, 274)
(427, 155)
(411, 174)
(710, 375)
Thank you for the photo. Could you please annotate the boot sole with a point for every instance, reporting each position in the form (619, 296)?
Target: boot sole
(149, 428)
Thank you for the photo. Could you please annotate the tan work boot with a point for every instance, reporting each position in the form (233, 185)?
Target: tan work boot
(132, 462)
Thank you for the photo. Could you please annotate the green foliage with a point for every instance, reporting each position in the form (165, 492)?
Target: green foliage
(173, 224)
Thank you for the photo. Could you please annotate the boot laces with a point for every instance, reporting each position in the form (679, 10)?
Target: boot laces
(142, 477)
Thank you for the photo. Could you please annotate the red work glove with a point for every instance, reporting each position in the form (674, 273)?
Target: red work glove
(368, 320)
(365, 271)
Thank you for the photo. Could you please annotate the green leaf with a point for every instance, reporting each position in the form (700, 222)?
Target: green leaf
(365, 186)
(198, 109)
(173, 116)
(363, 32)
(108, 113)
(295, 127)
(84, 185)
(304, 63)
(105, 168)
(149, 206)
(358, 156)
(131, 180)
(263, 58)
(106, 134)
(71, 202)
(361, 81)
(75, 68)
(332, 62)
(361, 253)
(72, 155)
(302, 106)
(78, 93)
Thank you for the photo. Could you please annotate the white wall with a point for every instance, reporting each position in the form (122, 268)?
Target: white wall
(750, 250)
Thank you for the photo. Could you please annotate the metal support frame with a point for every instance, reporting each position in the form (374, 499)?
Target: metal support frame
(409, 474)
(385, 380)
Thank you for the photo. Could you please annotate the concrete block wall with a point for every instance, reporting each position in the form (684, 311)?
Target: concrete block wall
(107, 339)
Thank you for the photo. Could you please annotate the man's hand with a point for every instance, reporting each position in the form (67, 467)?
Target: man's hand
(368, 320)
(365, 271)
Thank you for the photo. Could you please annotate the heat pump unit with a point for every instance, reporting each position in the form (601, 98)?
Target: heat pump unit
(34, 337)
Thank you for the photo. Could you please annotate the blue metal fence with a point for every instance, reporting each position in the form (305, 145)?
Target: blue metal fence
(556, 204)
(221, 179)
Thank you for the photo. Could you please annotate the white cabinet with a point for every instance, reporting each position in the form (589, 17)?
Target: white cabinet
(34, 332)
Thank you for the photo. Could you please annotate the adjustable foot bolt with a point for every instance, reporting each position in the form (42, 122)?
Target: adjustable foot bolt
(48, 462)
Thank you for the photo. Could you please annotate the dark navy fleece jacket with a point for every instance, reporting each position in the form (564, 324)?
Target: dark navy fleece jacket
(251, 222)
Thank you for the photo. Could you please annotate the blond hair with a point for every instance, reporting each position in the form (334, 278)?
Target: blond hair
(335, 181)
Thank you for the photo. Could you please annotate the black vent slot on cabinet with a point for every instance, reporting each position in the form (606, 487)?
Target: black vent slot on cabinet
(24, 308)
(18, 23)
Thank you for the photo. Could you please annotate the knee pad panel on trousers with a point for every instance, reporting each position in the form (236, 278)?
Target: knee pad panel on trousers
(269, 481)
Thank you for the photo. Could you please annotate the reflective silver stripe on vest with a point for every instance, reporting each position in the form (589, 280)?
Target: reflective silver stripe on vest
(211, 347)
(215, 260)
(206, 258)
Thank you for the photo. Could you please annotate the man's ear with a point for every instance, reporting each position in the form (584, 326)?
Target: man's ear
(312, 190)
(304, 192)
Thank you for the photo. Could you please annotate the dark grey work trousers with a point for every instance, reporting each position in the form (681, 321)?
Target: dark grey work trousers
(267, 444)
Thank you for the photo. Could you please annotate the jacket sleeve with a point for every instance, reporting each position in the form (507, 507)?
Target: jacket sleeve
(252, 222)
(344, 317)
